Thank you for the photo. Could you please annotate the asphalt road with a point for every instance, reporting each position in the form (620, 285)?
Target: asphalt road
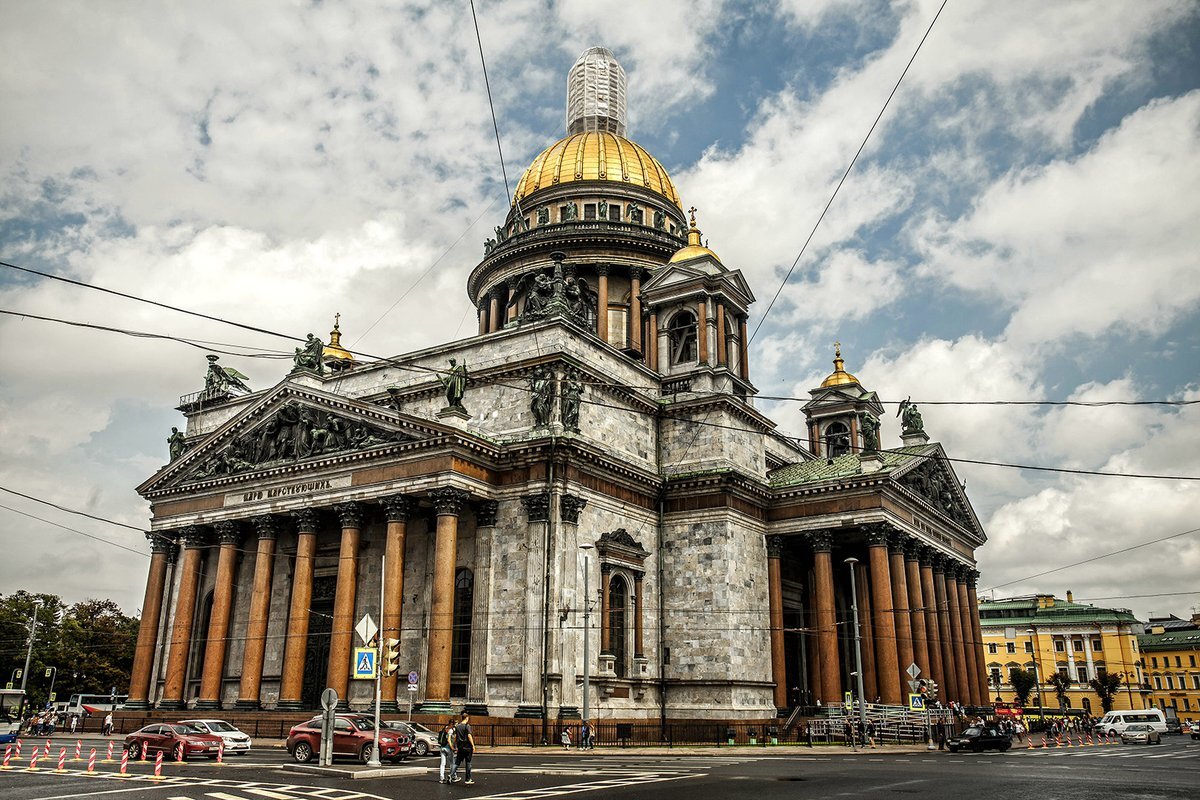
(1164, 772)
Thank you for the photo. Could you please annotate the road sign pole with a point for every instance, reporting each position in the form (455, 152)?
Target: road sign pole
(375, 762)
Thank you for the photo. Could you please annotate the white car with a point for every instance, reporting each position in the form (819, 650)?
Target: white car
(1139, 734)
(236, 742)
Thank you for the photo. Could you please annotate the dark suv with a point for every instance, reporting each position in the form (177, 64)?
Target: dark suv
(353, 737)
(978, 738)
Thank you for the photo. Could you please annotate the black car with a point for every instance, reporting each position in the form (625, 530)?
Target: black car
(978, 738)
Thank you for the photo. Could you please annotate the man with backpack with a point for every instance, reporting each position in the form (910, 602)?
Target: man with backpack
(446, 749)
(464, 748)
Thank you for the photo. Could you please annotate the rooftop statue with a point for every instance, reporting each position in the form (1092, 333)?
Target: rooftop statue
(175, 443)
(310, 356)
(572, 395)
(870, 432)
(218, 379)
(455, 384)
(911, 417)
(541, 400)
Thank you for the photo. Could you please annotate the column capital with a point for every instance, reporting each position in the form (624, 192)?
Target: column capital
(350, 514)
(537, 506)
(307, 519)
(229, 532)
(605, 568)
(448, 501)
(897, 542)
(970, 575)
(877, 534)
(173, 554)
(775, 546)
(913, 548)
(571, 505)
(398, 507)
(486, 512)
(955, 570)
(602, 270)
(195, 537)
(819, 541)
(161, 541)
(938, 561)
(267, 526)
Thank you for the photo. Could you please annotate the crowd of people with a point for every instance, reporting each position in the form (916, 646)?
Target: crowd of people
(45, 723)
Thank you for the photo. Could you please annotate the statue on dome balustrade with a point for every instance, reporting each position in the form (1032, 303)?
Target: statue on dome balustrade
(571, 214)
(455, 384)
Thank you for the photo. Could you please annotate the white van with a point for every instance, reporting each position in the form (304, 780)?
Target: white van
(1117, 721)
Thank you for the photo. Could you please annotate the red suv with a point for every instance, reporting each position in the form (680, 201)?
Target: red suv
(353, 736)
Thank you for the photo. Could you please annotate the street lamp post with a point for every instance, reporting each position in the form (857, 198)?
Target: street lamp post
(1037, 673)
(858, 677)
(37, 604)
(587, 627)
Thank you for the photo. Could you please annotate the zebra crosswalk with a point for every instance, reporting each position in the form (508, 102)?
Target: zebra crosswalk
(610, 773)
(186, 787)
(1127, 752)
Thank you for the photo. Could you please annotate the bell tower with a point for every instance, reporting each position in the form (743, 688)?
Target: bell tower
(836, 412)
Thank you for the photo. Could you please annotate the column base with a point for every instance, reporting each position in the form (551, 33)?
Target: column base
(528, 711)
(441, 707)
(475, 709)
(568, 712)
(290, 705)
(138, 705)
(171, 705)
(389, 707)
(343, 706)
(247, 705)
(208, 705)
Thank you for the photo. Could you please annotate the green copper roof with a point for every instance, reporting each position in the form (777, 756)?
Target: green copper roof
(1171, 640)
(844, 466)
(1015, 613)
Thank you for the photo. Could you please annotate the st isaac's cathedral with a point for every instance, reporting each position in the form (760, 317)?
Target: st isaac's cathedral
(599, 431)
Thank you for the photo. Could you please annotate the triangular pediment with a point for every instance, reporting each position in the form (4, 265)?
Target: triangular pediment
(290, 425)
(708, 274)
(930, 477)
(672, 275)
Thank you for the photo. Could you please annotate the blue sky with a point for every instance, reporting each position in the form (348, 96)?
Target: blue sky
(1021, 225)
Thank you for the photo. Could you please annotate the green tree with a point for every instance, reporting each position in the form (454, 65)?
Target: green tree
(1107, 686)
(1023, 681)
(1062, 684)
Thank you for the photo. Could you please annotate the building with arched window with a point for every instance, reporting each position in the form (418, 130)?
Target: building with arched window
(605, 401)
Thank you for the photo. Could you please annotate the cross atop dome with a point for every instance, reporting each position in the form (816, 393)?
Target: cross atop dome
(596, 88)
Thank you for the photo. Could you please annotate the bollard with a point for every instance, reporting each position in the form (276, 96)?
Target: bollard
(7, 757)
(221, 754)
(143, 758)
(179, 754)
(108, 759)
(18, 753)
(91, 767)
(62, 761)
(78, 750)
(157, 776)
(124, 773)
(33, 759)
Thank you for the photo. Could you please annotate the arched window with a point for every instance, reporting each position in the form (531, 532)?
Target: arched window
(682, 334)
(464, 599)
(837, 439)
(618, 605)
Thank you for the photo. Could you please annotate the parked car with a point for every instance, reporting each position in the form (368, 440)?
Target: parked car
(169, 738)
(236, 742)
(977, 739)
(425, 741)
(1196, 730)
(1141, 734)
(353, 737)
(1174, 726)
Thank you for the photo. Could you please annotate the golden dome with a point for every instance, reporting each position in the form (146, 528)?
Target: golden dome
(839, 376)
(333, 354)
(596, 156)
(693, 249)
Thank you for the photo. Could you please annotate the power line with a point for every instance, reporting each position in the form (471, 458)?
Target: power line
(71, 510)
(846, 174)
(72, 530)
(1093, 558)
(491, 105)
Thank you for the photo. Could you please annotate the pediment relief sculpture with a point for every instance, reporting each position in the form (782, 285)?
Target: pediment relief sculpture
(931, 481)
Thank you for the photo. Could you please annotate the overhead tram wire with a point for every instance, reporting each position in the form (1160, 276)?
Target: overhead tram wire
(74, 530)
(846, 174)
(418, 368)
(701, 422)
(491, 105)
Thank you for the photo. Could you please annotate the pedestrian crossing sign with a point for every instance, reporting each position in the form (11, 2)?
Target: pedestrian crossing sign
(849, 699)
(364, 663)
(916, 702)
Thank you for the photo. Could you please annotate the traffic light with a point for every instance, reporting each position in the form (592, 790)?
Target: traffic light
(933, 690)
(390, 657)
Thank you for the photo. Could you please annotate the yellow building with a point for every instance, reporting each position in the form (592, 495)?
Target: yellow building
(1171, 663)
(1078, 641)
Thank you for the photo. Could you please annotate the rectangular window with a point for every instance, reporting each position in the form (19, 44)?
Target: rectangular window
(1170, 683)
(1097, 645)
(1196, 682)
(992, 648)
(1153, 663)
(1083, 674)
(614, 212)
(1192, 659)
(1059, 647)
(1157, 683)
(1187, 704)
(1077, 644)
(1029, 647)
(589, 211)
(1101, 671)
(1011, 647)
(1178, 661)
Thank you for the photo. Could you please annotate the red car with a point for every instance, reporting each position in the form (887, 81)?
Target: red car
(353, 736)
(169, 738)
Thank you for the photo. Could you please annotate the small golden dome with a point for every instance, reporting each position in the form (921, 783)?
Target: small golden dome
(839, 376)
(596, 156)
(693, 249)
(333, 354)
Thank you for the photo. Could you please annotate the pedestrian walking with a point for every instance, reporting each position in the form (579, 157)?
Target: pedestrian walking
(108, 724)
(446, 750)
(464, 746)
(565, 738)
(587, 740)
(871, 734)
(74, 722)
